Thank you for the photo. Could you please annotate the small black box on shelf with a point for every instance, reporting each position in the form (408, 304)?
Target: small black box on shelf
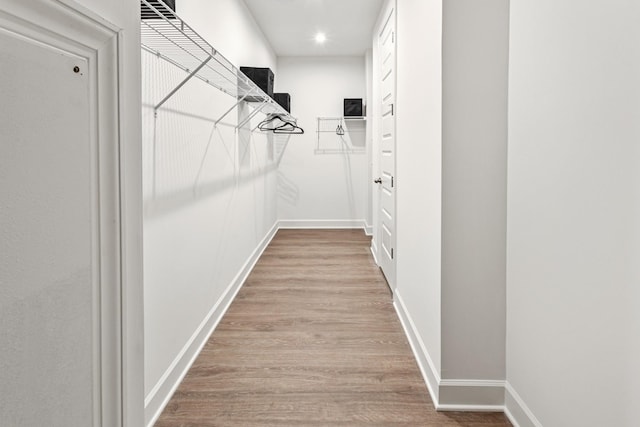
(353, 107)
(147, 13)
(262, 77)
(284, 99)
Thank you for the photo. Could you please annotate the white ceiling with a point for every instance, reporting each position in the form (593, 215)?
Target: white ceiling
(291, 25)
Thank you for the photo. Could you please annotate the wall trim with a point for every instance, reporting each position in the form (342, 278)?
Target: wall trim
(368, 229)
(510, 416)
(374, 249)
(472, 383)
(322, 224)
(517, 410)
(429, 372)
(471, 395)
(470, 408)
(450, 394)
(374, 254)
(164, 389)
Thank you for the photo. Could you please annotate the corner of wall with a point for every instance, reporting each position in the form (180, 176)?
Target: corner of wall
(446, 394)
(425, 362)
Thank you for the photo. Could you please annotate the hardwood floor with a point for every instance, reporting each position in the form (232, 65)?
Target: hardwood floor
(312, 339)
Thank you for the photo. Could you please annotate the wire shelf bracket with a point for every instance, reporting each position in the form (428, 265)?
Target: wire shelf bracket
(166, 35)
(182, 83)
(233, 107)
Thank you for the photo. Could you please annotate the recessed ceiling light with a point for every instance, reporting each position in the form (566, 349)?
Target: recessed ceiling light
(321, 38)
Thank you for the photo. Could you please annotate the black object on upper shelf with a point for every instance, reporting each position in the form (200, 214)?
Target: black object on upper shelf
(284, 99)
(147, 13)
(262, 77)
(353, 107)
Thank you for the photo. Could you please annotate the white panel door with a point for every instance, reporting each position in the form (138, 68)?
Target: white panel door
(60, 344)
(386, 181)
(46, 266)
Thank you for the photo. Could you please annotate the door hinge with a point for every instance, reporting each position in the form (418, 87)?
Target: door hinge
(392, 109)
(391, 253)
(391, 182)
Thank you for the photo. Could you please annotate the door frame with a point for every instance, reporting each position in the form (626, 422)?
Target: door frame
(389, 8)
(116, 242)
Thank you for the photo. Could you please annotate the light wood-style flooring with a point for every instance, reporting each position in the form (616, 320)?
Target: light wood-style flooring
(312, 339)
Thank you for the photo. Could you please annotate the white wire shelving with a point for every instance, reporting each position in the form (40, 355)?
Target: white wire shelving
(349, 135)
(329, 124)
(166, 35)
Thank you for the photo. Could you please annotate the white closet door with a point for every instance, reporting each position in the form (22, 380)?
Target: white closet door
(60, 340)
(45, 255)
(387, 214)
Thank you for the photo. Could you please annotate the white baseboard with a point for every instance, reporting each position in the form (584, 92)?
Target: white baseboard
(322, 224)
(471, 395)
(374, 253)
(470, 408)
(429, 372)
(449, 395)
(511, 418)
(517, 411)
(160, 395)
(368, 229)
(374, 250)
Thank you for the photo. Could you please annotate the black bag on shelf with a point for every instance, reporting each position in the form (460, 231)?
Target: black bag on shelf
(353, 107)
(147, 13)
(262, 77)
(284, 99)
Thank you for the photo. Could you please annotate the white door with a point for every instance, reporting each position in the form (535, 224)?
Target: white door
(60, 352)
(46, 234)
(386, 180)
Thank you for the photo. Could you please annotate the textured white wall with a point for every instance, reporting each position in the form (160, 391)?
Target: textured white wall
(322, 187)
(231, 29)
(573, 276)
(474, 187)
(209, 194)
(419, 167)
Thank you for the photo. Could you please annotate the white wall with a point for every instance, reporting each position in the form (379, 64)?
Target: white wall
(231, 29)
(209, 196)
(474, 187)
(322, 189)
(573, 207)
(451, 194)
(419, 168)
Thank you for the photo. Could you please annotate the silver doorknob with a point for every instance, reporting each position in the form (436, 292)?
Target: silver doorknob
(377, 181)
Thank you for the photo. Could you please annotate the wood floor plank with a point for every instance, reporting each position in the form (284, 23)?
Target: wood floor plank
(311, 339)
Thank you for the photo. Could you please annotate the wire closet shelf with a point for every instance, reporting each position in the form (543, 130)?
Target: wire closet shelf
(166, 35)
(340, 135)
